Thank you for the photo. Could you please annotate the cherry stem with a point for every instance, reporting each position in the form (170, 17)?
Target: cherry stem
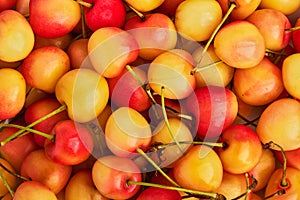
(6, 184)
(229, 11)
(284, 182)
(292, 29)
(138, 13)
(167, 121)
(24, 128)
(197, 69)
(276, 53)
(211, 144)
(279, 56)
(141, 152)
(83, 28)
(147, 90)
(16, 134)
(13, 173)
(278, 193)
(206, 194)
(85, 4)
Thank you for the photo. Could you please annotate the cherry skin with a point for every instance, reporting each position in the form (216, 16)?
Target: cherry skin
(199, 169)
(84, 92)
(125, 131)
(81, 186)
(35, 190)
(218, 74)
(146, 5)
(240, 44)
(16, 150)
(270, 19)
(111, 49)
(12, 93)
(14, 25)
(168, 7)
(243, 8)
(171, 70)
(197, 19)
(110, 175)
(296, 36)
(291, 189)
(214, 108)
(44, 66)
(39, 109)
(7, 4)
(72, 144)
(280, 123)
(264, 169)
(258, 85)
(52, 174)
(233, 185)
(45, 24)
(124, 90)
(159, 193)
(145, 32)
(287, 7)
(105, 13)
(291, 74)
(243, 150)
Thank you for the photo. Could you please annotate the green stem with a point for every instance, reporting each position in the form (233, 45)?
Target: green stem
(197, 69)
(284, 183)
(141, 152)
(292, 29)
(6, 184)
(13, 173)
(229, 11)
(16, 134)
(50, 137)
(276, 52)
(83, 28)
(138, 13)
(206, 194)
(211, 144)
(167, 121)
(85, 4)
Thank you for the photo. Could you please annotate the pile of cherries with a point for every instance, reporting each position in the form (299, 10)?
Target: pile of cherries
(164, 99)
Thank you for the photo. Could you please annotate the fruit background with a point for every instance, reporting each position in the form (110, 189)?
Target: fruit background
(152, 99)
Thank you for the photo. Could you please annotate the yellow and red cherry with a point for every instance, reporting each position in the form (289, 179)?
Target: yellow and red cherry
(291, 75)
(127, 130)
(280, 123)
(17, 37)
(240, 44)
(111, 49)
(258, 85)
(171, 70)
(44, 66)
(272, 24)
(197, 19)
(46, 24)
(84, 92)
(12, 93)
(242, 151)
